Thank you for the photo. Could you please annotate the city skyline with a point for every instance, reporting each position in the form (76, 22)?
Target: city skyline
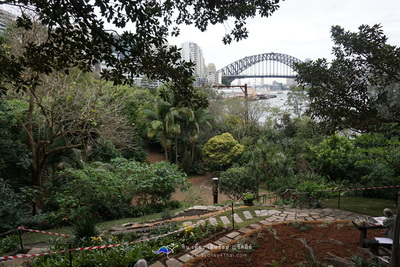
(298, 28)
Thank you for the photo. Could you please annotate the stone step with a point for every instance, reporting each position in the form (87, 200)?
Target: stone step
(224, 220)
(237, 218)
(173, 263)
(247, 215)
(157, 264)
(213, 221)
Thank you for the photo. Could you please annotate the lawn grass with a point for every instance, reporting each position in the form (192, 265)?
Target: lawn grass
(369, 206)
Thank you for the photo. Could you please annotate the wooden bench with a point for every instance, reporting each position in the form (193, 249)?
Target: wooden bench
(363, 231)
(374, 245)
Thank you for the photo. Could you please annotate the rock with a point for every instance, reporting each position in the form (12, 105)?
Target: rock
(200, 207)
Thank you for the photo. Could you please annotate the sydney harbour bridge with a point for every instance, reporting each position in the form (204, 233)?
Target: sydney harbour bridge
(268, 65)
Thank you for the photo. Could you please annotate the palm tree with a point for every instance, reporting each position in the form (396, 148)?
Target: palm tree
(156, 113)
(172, 123)
(201, 117)
(176, 118)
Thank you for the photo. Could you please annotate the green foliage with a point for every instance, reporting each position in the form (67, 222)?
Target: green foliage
(221, 151)
(11, 210)
(237, 180)
(301, 226)
(335, 158)
(8, 244)
(85, 228)
(361, 84)
(123, 255)
(93, 190)
(378, 162)
(361, 262)
(248, 196)
(79, 37)
(176, 125)
(150, 183)
(108, 191)
(14, 161)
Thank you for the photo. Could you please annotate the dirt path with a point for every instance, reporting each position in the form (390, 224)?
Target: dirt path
(200, 185)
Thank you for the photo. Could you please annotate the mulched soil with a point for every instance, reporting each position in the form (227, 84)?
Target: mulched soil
(280, 245)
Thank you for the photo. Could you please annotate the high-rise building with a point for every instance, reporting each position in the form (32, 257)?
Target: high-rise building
(5, 20)
(213, 77)
(191, 52)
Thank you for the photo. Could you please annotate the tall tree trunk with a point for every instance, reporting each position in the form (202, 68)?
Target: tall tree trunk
(37, 172)
(39, 154)
(176, 150)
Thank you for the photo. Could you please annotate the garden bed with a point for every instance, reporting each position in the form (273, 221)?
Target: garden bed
(286, 245)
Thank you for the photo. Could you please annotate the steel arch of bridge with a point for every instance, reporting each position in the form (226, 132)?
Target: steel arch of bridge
(234, 70)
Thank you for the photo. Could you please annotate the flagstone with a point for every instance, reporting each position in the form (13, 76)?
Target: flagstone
(237, 218)
(224, 220)
(247, 215)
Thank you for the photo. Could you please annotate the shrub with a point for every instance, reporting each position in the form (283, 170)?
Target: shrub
(8, 244)
(108, 192)
(150, 184)
(10, 207)
(84, 228)
(237, 180)
(123, 255)
(89, 190)
(221, 151)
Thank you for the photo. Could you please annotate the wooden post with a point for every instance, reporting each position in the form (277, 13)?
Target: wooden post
(233, 221)
(246, 102)
(395, 258)
(20, 240)
(70, 255)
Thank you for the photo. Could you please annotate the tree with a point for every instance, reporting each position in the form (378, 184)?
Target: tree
(359, 89)
(160, 114)
(220, 151)
(175, 124)
(67, 112)
(335, 158)
(77, 36)
(238, 180)
(297, 100)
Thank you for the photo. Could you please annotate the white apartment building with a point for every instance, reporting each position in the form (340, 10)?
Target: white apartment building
(191, 52)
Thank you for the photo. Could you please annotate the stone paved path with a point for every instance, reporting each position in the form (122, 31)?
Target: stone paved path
(266, 217)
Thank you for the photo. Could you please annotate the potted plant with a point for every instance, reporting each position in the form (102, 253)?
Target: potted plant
(248, 198)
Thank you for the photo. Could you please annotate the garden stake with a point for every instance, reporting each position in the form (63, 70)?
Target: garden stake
(20, 240)
(70, 256)
(233, 221)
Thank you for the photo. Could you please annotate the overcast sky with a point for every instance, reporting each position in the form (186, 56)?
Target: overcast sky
(300, 28)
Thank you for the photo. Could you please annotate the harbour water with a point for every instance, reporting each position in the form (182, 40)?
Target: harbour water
(277, 102)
